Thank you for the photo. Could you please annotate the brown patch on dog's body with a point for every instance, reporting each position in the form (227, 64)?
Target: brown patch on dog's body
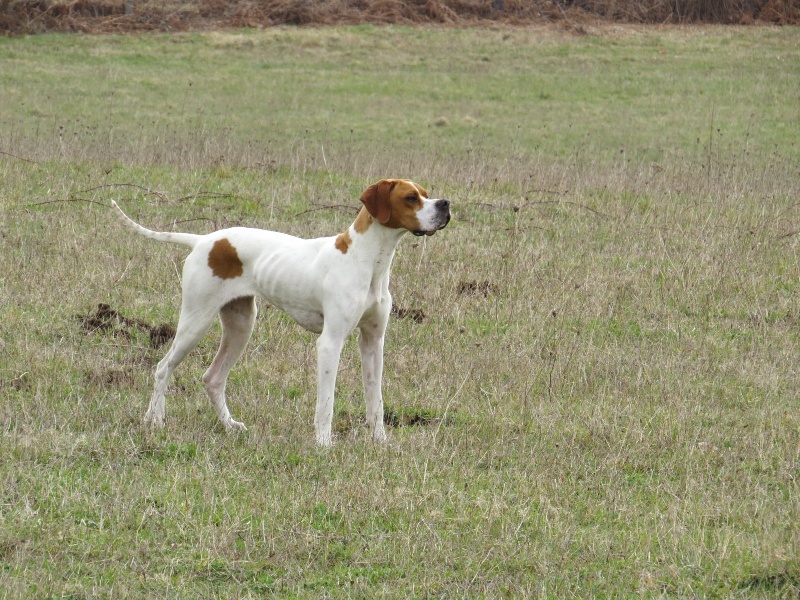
(224, 261)
(343, 241)
(361, 224)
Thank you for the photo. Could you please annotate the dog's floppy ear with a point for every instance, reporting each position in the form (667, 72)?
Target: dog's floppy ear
(376, 199)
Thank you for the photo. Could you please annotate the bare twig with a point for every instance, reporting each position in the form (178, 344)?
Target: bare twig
(69, 200)
(561, 9)
(539, 202)
(212, 221)
(326, 207)
(205, 196)
(147, 190)
(27, 160)
(578, 204)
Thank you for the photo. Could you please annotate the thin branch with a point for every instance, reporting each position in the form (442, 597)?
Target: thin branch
(536, 202)
(206, 195)
(562, 11)
(212, 221)
(33, 162)
(147, 190)
(326, 207)
(519, 229)
(578, 204)
(69, 200)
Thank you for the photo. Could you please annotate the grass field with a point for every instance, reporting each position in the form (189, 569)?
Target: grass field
(598, 396)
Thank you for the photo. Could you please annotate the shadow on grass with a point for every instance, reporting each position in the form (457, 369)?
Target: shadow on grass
(395, 418)
(781, 582)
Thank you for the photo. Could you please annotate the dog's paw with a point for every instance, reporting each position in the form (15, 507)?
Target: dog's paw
(232, 426)
(379, 436)
(153, 420)
(324, 441)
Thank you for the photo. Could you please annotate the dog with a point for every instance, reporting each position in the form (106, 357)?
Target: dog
(328, 285)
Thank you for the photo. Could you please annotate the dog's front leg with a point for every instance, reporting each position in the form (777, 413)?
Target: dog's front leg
(329, 350)
(370, 344)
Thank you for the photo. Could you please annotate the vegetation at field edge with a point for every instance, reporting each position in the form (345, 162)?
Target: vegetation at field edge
(121, 16)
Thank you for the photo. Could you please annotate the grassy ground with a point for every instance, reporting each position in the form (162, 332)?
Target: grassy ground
(599, 395)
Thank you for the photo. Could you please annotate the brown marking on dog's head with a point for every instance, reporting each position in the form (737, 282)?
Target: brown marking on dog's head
(394, 203)
(343, 241)
(223, 260)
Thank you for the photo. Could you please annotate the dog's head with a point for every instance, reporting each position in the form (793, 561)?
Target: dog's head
(402, 204)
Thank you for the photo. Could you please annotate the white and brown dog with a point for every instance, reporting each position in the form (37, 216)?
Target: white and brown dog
(328, 285)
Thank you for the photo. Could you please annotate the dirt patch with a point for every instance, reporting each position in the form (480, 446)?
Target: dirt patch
(110, 377)
(772, 583)
(410, 417)
(415, 314)
(119, 16)
(112, 322)
(477, 288)
(346, 421)
(18, 383)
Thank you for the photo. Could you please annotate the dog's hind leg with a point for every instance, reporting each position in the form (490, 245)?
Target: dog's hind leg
(238, 318)
(192, 326)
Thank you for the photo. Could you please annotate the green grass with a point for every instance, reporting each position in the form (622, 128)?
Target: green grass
(599, 396)
(641, 95)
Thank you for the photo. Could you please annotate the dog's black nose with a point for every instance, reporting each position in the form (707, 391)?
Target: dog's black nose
(443, 204)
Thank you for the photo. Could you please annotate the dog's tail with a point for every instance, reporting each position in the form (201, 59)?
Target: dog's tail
(187, 239)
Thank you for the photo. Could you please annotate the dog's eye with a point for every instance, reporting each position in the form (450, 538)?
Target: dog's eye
(412, 198)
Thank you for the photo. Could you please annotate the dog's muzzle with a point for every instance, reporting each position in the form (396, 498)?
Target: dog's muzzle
(442, 217)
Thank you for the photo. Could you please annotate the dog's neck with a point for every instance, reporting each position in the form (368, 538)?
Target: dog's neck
(373, 242)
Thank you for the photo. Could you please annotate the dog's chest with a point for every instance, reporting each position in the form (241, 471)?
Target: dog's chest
(312, 321)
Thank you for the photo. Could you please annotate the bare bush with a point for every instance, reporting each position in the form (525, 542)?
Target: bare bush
(693, 11)
(101, 16)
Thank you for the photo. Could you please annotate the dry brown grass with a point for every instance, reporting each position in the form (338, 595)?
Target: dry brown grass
(103, 16)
